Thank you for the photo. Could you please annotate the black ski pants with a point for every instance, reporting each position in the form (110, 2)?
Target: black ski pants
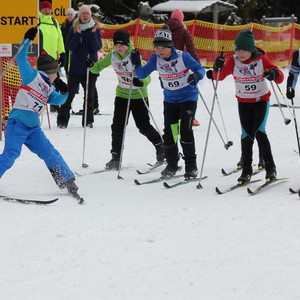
(178, 123)
(141, 118)
(253, 118)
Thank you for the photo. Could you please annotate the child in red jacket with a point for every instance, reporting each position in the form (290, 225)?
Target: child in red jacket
(250, 68)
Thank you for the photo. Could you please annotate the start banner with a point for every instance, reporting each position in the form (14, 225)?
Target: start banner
(16, 19)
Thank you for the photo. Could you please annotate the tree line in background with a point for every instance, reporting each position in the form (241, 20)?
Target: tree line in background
(123, 11)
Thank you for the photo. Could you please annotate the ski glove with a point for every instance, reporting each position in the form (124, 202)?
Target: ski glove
(209, 74)
(271, 74)
(194, 78)
(30, 33)
(219, 62)
(137, 82)
(290, 93)
(136, 58)
(89, 63)
(62, 59)
(61, 86)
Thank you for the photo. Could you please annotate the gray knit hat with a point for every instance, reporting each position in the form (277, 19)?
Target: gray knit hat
(163, 37)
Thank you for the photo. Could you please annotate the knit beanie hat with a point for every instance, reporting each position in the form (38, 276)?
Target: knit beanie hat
(245, 41)
(84, 8)
(70, 11)
(163, 37)
(47, 63)
(45, 4)
(178, 15)
(121, 37)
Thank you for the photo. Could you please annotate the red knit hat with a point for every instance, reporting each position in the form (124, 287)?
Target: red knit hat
(45, 4)
(178, 15)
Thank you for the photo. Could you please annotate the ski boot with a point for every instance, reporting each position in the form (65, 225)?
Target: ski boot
(170, 170)
(160, 153)
(114, 163)
(245, 176)
(271, 174)
(191, 171)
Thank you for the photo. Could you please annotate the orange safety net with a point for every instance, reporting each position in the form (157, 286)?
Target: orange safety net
(209, 38)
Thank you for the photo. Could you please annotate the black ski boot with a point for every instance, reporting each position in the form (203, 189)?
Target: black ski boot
(114, 163)
(261, 164)
(73, 190)
(160, 153)
(239, 165)
(170, 170)
(245, 176)
(71, 186)
(191, 171)
(271, 174)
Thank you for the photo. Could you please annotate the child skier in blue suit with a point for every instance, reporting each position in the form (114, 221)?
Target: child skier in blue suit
(23, 126)
(179, 74)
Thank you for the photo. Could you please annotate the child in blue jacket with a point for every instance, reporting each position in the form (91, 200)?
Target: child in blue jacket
(23, 126)
(179, 74)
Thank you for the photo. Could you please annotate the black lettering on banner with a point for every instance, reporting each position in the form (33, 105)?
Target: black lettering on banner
(22, 20)
(59, 12)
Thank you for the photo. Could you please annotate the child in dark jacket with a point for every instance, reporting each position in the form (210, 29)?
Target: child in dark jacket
(23, 126)
(179, 74)
(250, 68)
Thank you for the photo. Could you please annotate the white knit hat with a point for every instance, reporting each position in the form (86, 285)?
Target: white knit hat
(70, 11)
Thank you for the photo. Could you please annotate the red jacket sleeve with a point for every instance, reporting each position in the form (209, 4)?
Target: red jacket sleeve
(268, 64)
(226, 70)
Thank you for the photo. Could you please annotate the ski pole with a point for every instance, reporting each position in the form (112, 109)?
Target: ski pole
(219, 106)
(284, 99)
(296, 126)
(84, 165)
(11, 62)
(125, 123)
(149, 111)
(229, 143)
(286, 120)
(199, 186)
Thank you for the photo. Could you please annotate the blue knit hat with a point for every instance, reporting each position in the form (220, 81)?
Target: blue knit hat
(245, 41)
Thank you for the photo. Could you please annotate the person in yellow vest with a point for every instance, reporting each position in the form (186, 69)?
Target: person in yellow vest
(50, 37)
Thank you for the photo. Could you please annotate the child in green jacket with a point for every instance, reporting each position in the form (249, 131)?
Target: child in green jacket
(120, 60)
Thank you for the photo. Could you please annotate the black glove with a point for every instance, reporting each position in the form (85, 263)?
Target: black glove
(137, 82)
(62, 59)
(60, 86)
(290, 93)
(30, 33)
(89, 63)
(209, 74)
(271, 74)
(136, 58)
(219, 62)
(194, 78)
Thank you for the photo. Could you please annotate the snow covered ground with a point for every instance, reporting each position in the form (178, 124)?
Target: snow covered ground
(130, 242)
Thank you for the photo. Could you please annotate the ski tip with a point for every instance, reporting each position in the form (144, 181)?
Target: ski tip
(223, 172)
(139, 172)
(249, 191)
(292, 191)
(166, 185)
(137, 182)
(218, 191)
